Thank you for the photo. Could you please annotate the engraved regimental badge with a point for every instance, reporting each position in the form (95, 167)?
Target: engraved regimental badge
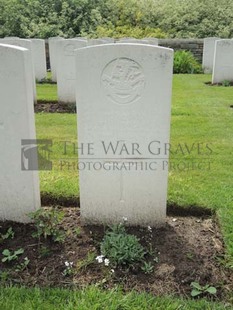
(123, 80)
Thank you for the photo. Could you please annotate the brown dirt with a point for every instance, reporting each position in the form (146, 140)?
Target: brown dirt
(49, 200)
(54, 107)
(219, 84)
(187, 249)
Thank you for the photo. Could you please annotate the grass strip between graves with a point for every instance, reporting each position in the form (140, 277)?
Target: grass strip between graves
(47, 92)
(93, 298)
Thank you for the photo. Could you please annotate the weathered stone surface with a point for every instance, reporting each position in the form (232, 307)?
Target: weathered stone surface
(208, 54)
(223, 61)
(53, 56)
(28, 45)
(39, 59)
(123, 98)
(66, 69)
(19, 190)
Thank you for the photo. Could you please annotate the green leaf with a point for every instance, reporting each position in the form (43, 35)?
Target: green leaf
(195, 292)
(19, 251)
(4, 259)
(212, 290)
(196, 285)
(6, 252)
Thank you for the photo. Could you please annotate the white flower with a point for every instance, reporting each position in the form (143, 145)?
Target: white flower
(112, 270)
(100, 259)
(149, 228)
(69, 264)
(106, 262)
(124, 219)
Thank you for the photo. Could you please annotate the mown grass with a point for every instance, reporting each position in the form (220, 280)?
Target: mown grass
(93, 299)
(47, 92)
(62, 181)
(201, 114)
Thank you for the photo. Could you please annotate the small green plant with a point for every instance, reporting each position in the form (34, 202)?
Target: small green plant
(226, 83)
(197, 289)
(89, 260)
(10, 256)
(190, 256)
(68, 269)
(147, 268)
(77, 232)
(71, 107)
(8, 235)
(184, 62)
(44, 251)
(47, 224)
(150, 250)
(4, 276)
(23, 265)
(121, 248)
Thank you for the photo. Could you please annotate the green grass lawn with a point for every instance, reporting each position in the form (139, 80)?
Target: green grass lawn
(62, 181)
(200, 114)
(47, 92)
(93, 298)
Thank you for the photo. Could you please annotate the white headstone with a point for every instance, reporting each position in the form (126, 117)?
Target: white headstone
(28, 45)
(19, 190)
(208, 54)
(92, 42)
(39, 58)
(66, 69)
(123, 97)
(53, 55)
(223, 61)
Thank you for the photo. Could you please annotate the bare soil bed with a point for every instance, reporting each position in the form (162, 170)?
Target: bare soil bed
(54, 107)
(186, 249)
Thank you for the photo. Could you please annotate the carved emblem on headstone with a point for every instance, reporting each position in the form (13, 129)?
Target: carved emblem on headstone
(123, 80)
(69, 50)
